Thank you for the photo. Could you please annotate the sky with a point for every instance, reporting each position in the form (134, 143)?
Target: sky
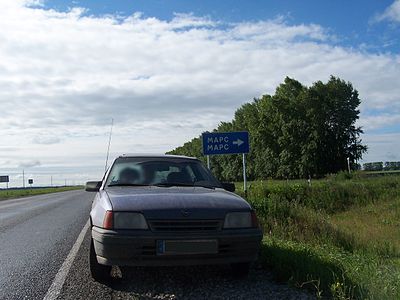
(166, 71)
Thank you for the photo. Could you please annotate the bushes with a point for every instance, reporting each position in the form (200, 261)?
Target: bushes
(301, 212)
(304, 246)
(329, 196)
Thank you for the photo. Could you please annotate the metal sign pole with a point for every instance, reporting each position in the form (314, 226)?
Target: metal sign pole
(218, 143)
(244, 175)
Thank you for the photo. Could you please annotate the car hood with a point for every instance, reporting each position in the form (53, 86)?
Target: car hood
(176, 202)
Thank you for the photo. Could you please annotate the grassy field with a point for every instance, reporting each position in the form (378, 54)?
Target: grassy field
(11, 193)
(392, 172)
(338, 237)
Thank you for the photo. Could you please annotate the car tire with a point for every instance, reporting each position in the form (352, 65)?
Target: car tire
(240, 270)
(99, 272)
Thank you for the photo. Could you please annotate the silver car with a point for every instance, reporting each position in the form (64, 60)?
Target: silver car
(167, 210)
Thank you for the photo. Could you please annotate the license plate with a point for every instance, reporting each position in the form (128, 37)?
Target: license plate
(176, 247)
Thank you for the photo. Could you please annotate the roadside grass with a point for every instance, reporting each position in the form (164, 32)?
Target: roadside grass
(331, 272)
(17, 193)
(339, 237)
(377, 226)
(391, 172)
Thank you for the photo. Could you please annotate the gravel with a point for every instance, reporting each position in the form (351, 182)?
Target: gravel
(206, 282)
(200, 282)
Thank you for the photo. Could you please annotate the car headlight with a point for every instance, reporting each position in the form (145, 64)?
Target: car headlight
(239, 220)
(129, 220)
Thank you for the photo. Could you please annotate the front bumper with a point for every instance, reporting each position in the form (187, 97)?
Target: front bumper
(138, 248)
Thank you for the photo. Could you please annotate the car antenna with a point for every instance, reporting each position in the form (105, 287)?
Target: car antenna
(109, 143)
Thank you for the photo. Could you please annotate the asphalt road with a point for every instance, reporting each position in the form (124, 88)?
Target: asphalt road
(38, 235)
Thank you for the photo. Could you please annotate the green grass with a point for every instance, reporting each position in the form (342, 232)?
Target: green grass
(339, 237)
(391, 172)
(329, 271)
(376, 225)
(11, 193)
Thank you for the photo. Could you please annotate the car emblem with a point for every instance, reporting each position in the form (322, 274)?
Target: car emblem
(185, 213)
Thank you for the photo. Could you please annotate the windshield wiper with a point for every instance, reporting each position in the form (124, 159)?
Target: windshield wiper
(166, 184)
(127, 184)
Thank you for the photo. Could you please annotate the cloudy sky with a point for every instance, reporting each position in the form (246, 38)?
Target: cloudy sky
(168, 70)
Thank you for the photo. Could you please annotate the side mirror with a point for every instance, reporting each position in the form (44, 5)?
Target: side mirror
(230, 187)
(93, 186)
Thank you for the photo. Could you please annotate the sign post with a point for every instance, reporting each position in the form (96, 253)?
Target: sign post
(218, 143)
(244, 174)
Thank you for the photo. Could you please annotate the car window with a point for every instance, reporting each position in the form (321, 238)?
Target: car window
(190, 173)
(155, 171)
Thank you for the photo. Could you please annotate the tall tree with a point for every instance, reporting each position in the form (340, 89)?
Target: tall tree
(297, 132)
(332, 115)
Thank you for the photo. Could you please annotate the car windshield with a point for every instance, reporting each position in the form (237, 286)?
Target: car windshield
(156, 171)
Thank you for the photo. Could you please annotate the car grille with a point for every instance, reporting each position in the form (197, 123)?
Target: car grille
(185, 225)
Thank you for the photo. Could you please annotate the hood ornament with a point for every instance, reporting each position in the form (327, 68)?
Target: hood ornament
(185, 213)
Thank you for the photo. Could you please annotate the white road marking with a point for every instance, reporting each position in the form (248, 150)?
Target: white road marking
(59, 279)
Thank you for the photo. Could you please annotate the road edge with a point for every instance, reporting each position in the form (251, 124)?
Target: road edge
(55, 288)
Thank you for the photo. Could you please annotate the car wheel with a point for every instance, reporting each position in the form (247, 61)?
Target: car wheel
(240, 270)
(99, 272)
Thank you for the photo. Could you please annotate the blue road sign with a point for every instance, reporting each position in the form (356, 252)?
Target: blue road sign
(4, 178)
(225, 143)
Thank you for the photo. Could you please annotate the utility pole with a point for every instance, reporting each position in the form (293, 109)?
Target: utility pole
(23, 178)
(65, 180)
(51, 181)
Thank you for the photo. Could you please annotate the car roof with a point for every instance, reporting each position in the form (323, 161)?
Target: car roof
(157, 155)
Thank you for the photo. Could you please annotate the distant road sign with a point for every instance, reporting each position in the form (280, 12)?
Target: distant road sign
(225, 143)
(4, 178)
(30, 181)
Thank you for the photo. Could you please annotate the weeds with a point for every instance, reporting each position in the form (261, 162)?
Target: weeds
(338, 237)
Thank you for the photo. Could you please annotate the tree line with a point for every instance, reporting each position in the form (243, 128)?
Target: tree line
(298, 132)
(380, 166)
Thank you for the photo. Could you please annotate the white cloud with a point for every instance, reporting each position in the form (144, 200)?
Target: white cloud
(392, 13)
(276, 31)
(189, 20)
(46, 140)
(379, 121)
(29, 164)
(64, 75)
(385, 146)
